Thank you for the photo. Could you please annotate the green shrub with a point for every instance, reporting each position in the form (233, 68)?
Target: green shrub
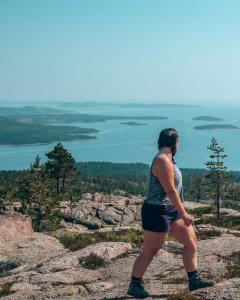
(233, 266)
(199, 211)
(232, 222)
(93, 262)
(5, 289)
(76, 242)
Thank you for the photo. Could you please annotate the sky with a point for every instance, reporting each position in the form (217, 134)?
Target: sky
(120, 50)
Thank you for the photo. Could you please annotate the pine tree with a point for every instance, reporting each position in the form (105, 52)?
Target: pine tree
(217, 172)
(199, 183)
(37, 197)
(60, 165)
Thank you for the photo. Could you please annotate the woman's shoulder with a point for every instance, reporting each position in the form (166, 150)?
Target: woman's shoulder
(162, 157)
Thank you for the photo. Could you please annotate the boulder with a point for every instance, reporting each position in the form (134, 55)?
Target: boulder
(223, 246)
(227, 289)
(35, 250)
(192, 205)
(134, 200)
(13, 228)
(128, 216)
(110, 215)
(72, 276)
(87, 196)
(105, 250)
(97, 197)
(99, 286)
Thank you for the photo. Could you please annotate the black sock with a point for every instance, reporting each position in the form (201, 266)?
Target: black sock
(191, 274)
(136, 278)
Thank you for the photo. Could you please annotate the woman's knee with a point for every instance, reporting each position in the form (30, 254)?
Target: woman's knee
(150, 253)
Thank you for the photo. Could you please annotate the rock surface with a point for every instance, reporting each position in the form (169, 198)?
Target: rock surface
(13, 227)
(47, 270)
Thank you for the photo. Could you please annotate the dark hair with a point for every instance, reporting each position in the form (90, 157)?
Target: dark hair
(168, 138)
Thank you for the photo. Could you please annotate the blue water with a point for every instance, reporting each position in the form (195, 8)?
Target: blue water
(121, 143)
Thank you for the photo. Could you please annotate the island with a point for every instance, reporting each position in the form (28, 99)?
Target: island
(207, 118)
(133, 124)
(156, 105)
(86, 104)
(217, 126)
(69, 118)
(29, 110)
(17, 133)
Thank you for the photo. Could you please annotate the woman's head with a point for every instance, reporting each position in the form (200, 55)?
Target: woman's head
(169, 137)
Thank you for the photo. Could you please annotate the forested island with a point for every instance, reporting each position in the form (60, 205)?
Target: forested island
(29, 110)
(133, 124)
(77, 118)
(130, 104)
(86, 104)
(17, 133)
(217, 126)
(155, 105)
(207, 118)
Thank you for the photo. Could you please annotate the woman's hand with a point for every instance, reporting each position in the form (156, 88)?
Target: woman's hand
(188, 219)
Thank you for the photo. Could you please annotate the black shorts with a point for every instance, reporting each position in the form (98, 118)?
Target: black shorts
(157, 217)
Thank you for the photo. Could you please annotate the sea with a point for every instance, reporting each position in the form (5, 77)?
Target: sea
(122, 143)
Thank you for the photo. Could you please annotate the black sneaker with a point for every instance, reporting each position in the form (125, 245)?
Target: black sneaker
(198, 282)
(137, 290)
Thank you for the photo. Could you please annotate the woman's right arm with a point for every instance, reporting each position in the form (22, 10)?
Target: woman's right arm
(165, 173)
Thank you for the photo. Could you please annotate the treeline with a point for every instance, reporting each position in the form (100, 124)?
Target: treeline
(130, 177)
(41, 187)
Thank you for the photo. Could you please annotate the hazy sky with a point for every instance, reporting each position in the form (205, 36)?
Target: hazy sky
(145, 50)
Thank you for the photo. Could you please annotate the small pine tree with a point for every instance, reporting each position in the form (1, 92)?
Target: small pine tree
(35, 192)
(217, 172)
(199, 183)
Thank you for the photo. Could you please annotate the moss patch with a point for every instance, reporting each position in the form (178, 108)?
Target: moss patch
(79, 241)
(233, 266)
(231, 222)
(204, 235)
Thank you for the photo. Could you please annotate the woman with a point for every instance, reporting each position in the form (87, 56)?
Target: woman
(162, 213)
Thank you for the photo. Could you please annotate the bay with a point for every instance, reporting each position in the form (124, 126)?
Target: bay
(121, 143)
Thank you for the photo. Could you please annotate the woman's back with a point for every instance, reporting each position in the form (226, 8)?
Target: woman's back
(156, 194)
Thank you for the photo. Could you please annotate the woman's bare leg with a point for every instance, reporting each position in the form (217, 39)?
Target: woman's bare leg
(153, 241)
(186, 235)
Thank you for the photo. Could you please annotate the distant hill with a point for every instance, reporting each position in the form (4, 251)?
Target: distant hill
(77, 118)
(149, 105)
(23, 110)
(86, 104)
(217, 126)
(133, 124)
(207, 118)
